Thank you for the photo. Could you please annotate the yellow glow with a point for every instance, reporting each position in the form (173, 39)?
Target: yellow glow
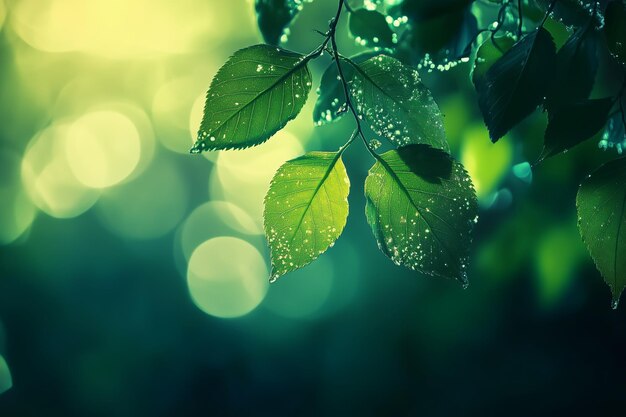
(149, 206)
(17, 212)
(102, 148)
(227, 277)
(245, 175)
(122, 28)
(48, 178)
(213, 219)
(3, 13)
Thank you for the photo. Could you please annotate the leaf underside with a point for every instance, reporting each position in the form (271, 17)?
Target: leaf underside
(306, 209)
(601, 203)
(253, 95)
(422, 208)
(396, 104)
(273, 17)
(517, 83)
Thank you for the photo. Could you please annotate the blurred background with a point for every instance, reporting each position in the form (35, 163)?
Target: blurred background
(134, 276)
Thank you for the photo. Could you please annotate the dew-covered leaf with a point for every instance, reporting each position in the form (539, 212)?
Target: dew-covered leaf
(306, 209)
(489, 52)
(253, 96)
(614, 135)
(601, 203)
(274, 17)
(331, 101)
(422, 208)
(615, 29)
(517, 83)
(396, 104)
(370, 28)
(574, 123)
(576, 65)
(573, 12)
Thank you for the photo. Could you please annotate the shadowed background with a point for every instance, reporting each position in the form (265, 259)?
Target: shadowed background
(134, 276)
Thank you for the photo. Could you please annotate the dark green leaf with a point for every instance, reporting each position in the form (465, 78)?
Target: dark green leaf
(615, 133)
(306, 209)
(422, 208)
(489, 52)
(331, 103)
(517, 83)
(615, 29)
(370, 28)
(574, 123)
(253, 96)
(396, 104)
(274, 16)
(576, 64)
(573, 12)
(601, 203)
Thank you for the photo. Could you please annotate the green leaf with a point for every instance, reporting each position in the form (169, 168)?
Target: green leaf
(517, 83)
(615, 30)
(253, 96)
(574, 123)
(489, 52)
(572, 12)
(331, 103)
(274, 16)
(306, 209)
(370, 28)
(422, 208)
(601, 203)
(576, 64)
(614, 135)
(396, 104)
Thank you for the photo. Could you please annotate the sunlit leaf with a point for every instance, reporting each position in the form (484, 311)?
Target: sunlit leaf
(601, 203)
(574, 123)
(517, 83)
(370, 28)
(306, 209)
(422, 207)
(274, 16)
(615, 30)
(576, 64)
(614, 135)
(396, 104)
(253, 95)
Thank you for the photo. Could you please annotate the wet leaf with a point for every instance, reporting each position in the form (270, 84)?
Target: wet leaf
(274, 16)
(615, 30)
(574, 123)
(370, 28)
(396, 104)
(422, 208)
(306, 209)
(614, 135)
(517, 83)
(253, 96)
(601, 203)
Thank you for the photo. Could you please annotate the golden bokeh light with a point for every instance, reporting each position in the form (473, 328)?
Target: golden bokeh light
(222, 288)
(48, 177)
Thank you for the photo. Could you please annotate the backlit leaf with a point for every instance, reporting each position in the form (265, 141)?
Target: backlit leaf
(253, 96)
(601, 203)
(306, 209)
(517, 83)
(614, 135)
(422, 208)
(396, 104)
(370, 28)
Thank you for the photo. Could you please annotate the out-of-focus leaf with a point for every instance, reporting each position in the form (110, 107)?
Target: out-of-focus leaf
(614, 135)
(576, 65)
(274, 16)
(517, 83)
(331, 103)
(601, 203)
(396, 104)
(306, 209)
(422, 208)
(253, 96)
(6, 381)
(574, 123)
(615, 29)
(370, 28)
